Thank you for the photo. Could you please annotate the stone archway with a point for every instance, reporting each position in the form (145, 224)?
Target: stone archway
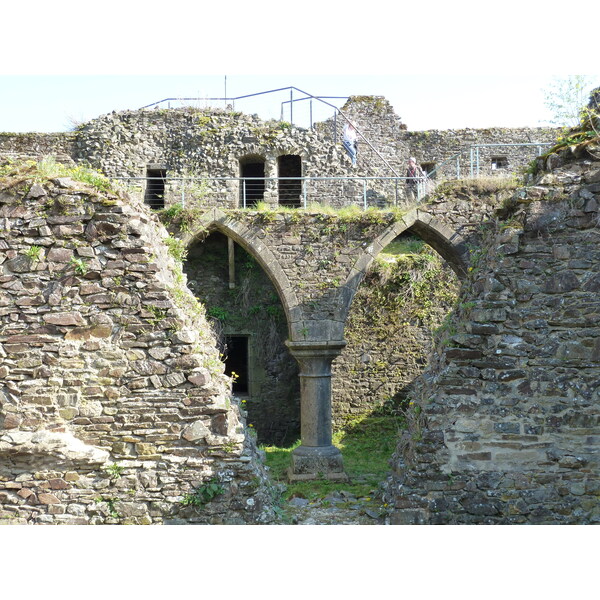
(446, 242)
(316, 317)
(249, 239)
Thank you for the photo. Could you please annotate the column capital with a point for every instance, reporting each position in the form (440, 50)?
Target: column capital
(316, 349)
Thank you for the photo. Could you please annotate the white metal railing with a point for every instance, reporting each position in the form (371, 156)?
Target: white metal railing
(296, 192)
(474, 158)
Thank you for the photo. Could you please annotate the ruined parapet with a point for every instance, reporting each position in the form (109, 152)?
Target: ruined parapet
(498, 152)
(113, 403)
(226, 159)
(207, 144)
(504, 424)
(36, 146)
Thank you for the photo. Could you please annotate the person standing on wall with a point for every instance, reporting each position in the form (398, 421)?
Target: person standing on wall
(350, 141)
(414, 177)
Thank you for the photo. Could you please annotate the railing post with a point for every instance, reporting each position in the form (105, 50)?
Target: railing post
(305, 191)
(471, 156)
(335, 127)
(244, 192)
(364, 194)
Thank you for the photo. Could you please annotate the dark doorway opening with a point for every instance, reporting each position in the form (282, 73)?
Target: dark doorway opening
(155, 188)
(290, 190)
(252, 185)
(236, 362)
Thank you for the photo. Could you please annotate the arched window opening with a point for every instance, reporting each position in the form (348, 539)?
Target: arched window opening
(252, 184)
(155, 187)
(289, 172)
(250, 326)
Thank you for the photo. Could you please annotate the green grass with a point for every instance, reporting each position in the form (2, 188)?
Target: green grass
(366, 444)
(404, 245)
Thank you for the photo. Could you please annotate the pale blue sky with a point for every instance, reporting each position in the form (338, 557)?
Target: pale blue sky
(50, 103)
(458, 64)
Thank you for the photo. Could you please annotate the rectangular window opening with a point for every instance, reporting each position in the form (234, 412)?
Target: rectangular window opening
(499, 162)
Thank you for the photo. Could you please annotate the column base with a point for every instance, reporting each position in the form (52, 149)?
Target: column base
(316, 462)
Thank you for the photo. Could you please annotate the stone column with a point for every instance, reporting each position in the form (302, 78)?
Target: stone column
(316, 457)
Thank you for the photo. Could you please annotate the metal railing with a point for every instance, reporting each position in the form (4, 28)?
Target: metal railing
(233, 99)
(296, 192)
(474, 160)
(291, 101)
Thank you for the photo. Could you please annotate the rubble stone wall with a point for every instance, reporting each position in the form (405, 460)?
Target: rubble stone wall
(113, 403)
(504, 425)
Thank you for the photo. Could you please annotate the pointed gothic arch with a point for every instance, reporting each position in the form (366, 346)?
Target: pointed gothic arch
(240, 233)
(446, 242)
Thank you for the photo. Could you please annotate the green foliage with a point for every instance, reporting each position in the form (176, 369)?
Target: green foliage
(49, 168)
(471, 188)
(80, 265)
(203, 494)
(566, 99)
(115, 471)
(408, 284)
(158, 314)
(218, 312)
(180, 219)
(23, 174)
(176, 248)
(573, 138)
(111, 502)
(168, 214)
(34, 252)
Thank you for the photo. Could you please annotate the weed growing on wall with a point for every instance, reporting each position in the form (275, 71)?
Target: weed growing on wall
(203, 494)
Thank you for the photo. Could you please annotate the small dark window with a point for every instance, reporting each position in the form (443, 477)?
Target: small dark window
(499, 162)
(236, 361)
(155, 188)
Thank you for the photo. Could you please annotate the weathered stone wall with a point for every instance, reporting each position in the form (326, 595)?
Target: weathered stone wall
(380, 135)
(201, 144)
(377, 121)
(504, 428)
(211, 144)
(449, 152)
(389, 329)
(113, 403)
(35, 146)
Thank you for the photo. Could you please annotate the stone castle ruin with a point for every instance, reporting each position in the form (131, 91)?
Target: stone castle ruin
(135, 351)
